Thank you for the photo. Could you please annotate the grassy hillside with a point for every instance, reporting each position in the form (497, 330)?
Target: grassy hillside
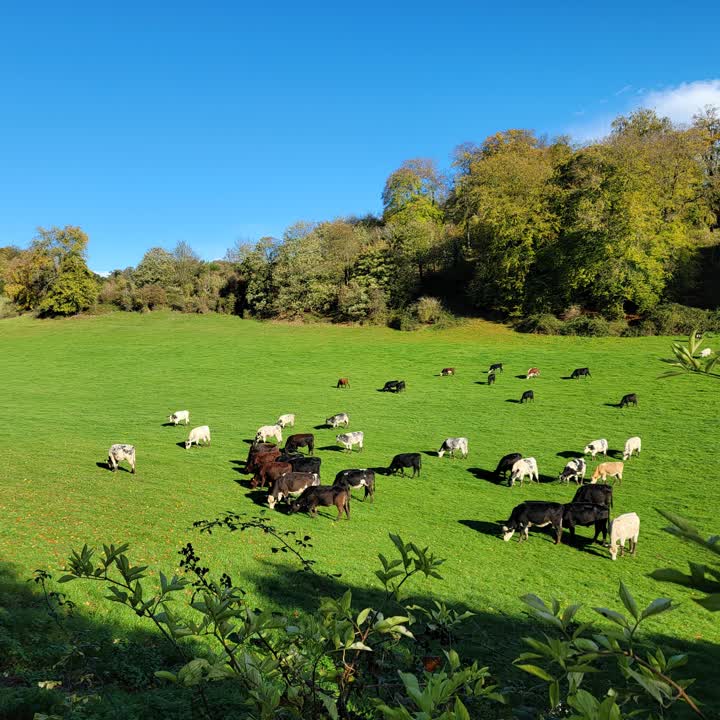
(73, 387)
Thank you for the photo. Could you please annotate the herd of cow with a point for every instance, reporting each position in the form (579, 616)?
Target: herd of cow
(294, 477)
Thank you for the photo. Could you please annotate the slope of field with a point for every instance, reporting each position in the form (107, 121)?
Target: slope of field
(73, 387)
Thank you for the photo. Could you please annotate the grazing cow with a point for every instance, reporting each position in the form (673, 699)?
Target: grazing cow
(506, 463)
(179, 416)
(269, 431)
(580, 372)
(447, 371)
(347, 440)
(300, 440)
(525, 467)
(323, 496)
(595, 447)
(532, 372)
(496, 366)
(338, 420)
(622, 528)
(613, 469)
(586, 514)
(260, 458)
(290, 483)
(596, 494)
(491, 378)
(450, 445)
(302, 463)
(357, 479)
(258, 447)
(286, 420)
(632, 445)
(198, 435)
(343, 383)
(119, 452)
(629, 399)
(527, 396)
(269, 471)
(394, 386)
(706, 352)
(406, 460)
(540, 514)
(574, 470)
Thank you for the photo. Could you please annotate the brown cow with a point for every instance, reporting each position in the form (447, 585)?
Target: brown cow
(261, 458)
(533, 372)
(343, 383)
(613, 469)
(323, 496)
(269, 472)
(447, 371)
(258, 447)
(300, 440)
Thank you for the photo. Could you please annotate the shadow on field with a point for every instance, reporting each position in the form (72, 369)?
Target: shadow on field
(493, 529)
(521, 377)
(481, 382)
(615, 405)
(381, 471)
(512, 400)
(249, 442)
(120, 468)
(167, 424)
(430, 453)
(324, 426)
(483, 474)
(569, 454)
(332, 448)
(181, 444)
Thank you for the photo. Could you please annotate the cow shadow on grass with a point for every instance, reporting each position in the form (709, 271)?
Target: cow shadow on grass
(484, 474)
(513, 400)
(482, 382)
(430, 453)
(493, 529)
(323, 426)
(568, 454)
(167, 424)
(521, 377)
(613, 405)
(332, 448)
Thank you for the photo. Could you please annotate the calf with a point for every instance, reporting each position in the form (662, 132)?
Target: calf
(198, 435)
(532, 372)
(586, 514)
(347, 440)
(450, 445)
(580, 372)
(622, 528)
(491, 378)
(630, 399)
(286, 420)
(119, 452)
(447, 371)
(300, 440)
(323, 496)
(179, 416)
(574, 470)
(406, 460)
(268, 431)
(632, 445)
(540, 514)
(506, 463)
(290, 483)
(525, 467)
(527, 396)
(357, 479)
(338, 420)
(596, 494)
(595, 447)
(496, 366)
(343, 383)
(268, 472)
(613, 469)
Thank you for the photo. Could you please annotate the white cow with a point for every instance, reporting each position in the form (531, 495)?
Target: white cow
(707, 352)
(119, 452)
(347, 440)
(338, 420)
(268, 431)
(622, 528)
(526, 467)
(450, 445)
(595, 447)
(574, 470)
(198, 435)
(179, 416)
(633, 445)
(286, 420)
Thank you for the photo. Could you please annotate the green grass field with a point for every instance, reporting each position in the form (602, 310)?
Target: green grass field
(73, 387)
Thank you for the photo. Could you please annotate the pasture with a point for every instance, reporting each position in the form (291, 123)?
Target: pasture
(73, 387)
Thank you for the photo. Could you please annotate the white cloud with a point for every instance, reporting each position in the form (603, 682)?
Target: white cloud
(624, 89)
(682, 102)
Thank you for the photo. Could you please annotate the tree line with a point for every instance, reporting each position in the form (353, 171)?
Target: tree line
(521, 227)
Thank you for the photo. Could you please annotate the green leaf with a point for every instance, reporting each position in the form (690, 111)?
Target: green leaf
(554, 694)
(67, 578)
(629, 601)
(537, 671)
(660, 605)
(362, 616)
(616, 617)
(460, 710)
(165, 675)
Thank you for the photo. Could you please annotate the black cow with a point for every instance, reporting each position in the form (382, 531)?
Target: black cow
(394, 386)
(406, 460)
(491, 378)
(290, 483)
(302, 463)
(300, 440)
(580, 372)
(630, 399)
(496, 366)
(599, 494)
(506, 463)
(357, 479)
(530, 513)
(586, 514)
(527, 396)
(323, 496)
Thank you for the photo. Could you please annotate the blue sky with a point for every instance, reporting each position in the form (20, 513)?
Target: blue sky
(151, 123)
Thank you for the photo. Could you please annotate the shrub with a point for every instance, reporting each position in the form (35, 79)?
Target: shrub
(545, 324)
(572, 312)
(152, 296)
(7, 309)
(675, 319)
(588, 326)
(429, 310)
(403, 320)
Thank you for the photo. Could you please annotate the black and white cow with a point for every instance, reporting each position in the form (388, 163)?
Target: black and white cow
(539, 514)
(574, 470)
(491, 378)
(527, 396)
(406, 460)
(506, 464)
(580, 372)
(290, 483)
(119, 452)
(356, 479)
(496, 366)
(586, 514)
(450, 445)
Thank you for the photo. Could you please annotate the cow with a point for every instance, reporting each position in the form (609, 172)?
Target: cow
(632, 445)
(393, 386)
(527, 396)
(406, 460)
(119, 452)
(450, 445)
(586, 514)
(290, 483)
(447, 371)
(179, 416)
(286, 420)
(506, 463)
(491, 378)
(258, 447)
(347, 440)
(198, 435)
(580, 372)
(574, 470)
(595, 447)
(261, 457)
(302, 463)
(525, 467)
(613, 469)
(496, 366)
(540, 514)
(532, 372)
(343, 383)
(269, 471)
(338, 420)
(598, 494)
(622, 528)
(629, 399)
(357, 479)
(269, 431)
(323, 496)
(705, 353)
(300, 440)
